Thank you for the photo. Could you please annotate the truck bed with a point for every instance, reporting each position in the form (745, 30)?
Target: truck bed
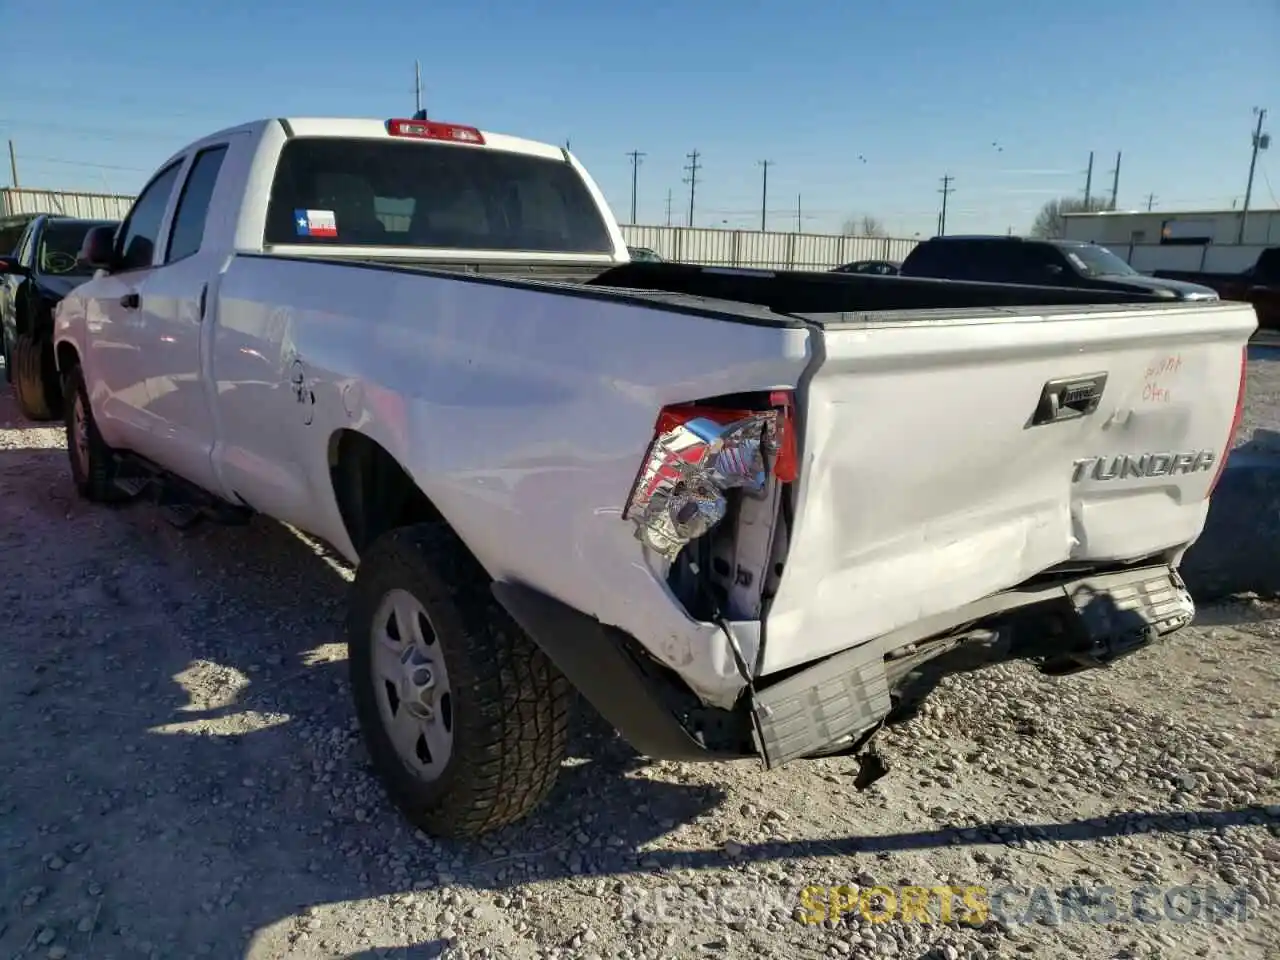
(931, 473)
(748, 295)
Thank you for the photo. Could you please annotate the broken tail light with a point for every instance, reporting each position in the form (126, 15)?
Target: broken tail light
(1235, 421)
(697, 455)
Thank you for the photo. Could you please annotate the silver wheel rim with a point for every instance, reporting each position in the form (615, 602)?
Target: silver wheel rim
(411, 685)
(80, 435)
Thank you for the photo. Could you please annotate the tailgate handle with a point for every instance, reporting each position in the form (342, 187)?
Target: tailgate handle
(1069, 399)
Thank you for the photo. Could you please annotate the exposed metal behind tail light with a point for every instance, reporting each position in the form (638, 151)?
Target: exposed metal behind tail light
(698, 454)
(434, 130)
(1235, 420)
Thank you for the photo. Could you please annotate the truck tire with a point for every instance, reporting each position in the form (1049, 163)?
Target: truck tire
(35, 381)
(93, 463)
(465, 719)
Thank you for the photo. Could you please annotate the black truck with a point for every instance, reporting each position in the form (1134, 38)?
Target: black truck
(42, 269)
(1054, 263)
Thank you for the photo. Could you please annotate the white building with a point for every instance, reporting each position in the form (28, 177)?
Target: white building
(1191, 240)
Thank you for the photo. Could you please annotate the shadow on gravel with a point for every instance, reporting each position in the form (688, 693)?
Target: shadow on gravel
(1239, 550)
(217, 790)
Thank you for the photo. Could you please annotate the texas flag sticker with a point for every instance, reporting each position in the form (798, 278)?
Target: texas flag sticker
(315, 223)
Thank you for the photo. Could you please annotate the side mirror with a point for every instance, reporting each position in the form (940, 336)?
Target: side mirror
(1054, 269)
(99, 248)
(10, 267)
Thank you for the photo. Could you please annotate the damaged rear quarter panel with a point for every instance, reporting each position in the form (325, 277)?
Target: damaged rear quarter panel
(526, 416)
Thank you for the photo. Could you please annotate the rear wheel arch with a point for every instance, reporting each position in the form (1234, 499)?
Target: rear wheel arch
(374, 493)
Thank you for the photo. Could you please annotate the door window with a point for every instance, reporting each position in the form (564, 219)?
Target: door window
(193, 204)
(142, 227)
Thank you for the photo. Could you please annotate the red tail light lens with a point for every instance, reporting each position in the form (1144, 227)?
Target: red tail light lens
(434, 130)
(698, 454)
(1235, 420)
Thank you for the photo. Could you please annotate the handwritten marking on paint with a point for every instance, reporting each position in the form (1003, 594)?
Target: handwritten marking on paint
(1155, 383)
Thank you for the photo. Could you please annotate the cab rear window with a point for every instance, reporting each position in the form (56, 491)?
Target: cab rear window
(393, 193)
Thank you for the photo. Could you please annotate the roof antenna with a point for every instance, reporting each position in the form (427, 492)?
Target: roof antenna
(419, 112)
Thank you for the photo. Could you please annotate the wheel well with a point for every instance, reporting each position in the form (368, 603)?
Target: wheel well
(66, 356)
(373, 491)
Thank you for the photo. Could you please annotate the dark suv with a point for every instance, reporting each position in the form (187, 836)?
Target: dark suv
(1048, 263)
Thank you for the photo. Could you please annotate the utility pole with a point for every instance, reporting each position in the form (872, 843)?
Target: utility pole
(13, 164)
(1151, 201)
(1115, 181)
(635, 156)
(798, 218)
(946, 191)
(764, 190)
(417, 90)
(1088, 183)
(668, 206)
(692, 180)
(1260, 142)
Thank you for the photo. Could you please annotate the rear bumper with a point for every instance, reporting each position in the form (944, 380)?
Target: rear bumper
(1105, 617)
(845, 696)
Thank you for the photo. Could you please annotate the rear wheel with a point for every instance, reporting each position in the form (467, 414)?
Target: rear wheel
(35, 379)
(465, 719)
(93, 464)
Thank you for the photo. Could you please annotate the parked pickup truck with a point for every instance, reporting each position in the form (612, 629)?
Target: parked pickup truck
(1059, 263)
(1258, 285)
(745, 514)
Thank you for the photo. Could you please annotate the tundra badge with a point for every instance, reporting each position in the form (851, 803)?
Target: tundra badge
(1144, 466)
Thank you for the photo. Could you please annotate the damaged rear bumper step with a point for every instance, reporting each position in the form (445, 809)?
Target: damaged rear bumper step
(846, 695)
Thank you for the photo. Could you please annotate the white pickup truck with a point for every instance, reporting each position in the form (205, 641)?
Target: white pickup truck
(742, 513)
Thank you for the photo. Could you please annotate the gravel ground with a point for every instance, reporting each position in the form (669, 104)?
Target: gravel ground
(180, 777)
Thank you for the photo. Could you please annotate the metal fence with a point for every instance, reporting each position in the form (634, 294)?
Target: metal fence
(755, 248)
(16, 201)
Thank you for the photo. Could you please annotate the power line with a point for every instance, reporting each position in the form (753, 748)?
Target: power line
(636, 156)
(764, 191)
(692, 180)
(946, 191)
(82, 163)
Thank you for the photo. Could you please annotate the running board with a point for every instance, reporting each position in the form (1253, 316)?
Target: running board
(182, 504)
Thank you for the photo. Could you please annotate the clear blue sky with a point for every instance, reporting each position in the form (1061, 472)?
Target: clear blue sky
(95, 95)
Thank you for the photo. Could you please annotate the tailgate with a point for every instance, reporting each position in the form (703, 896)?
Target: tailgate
(949, 457)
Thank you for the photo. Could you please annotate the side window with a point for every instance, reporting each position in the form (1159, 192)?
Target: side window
(24, 244)
(138, 237)
(193, 204)
(1034, 263)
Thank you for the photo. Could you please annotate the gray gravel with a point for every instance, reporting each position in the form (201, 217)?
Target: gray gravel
(180, 777)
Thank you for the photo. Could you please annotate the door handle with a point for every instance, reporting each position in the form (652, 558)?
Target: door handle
(1069, 398)
(131, 301)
